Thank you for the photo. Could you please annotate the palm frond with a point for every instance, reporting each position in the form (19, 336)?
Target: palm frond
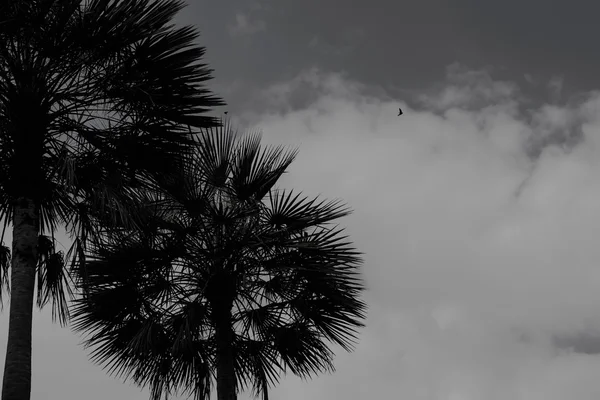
(257, 169)
(159, 73)
(302, 349)
(53, 283)
(258, 366)
(298, 213)
(5, 259)
(212, 160)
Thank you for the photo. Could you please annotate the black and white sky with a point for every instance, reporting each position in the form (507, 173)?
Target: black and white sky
(478, 210)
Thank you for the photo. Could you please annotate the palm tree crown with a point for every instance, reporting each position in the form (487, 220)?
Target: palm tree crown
(233, 280)
(97, 97)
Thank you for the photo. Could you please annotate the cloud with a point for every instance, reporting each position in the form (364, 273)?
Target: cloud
(481, 255)
(469, 88)
(244, 25)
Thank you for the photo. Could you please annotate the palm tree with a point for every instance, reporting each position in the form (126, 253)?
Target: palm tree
(233, 281)
(97, 97)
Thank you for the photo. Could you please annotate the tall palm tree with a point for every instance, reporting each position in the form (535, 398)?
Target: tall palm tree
(97, 97)
(233, 281)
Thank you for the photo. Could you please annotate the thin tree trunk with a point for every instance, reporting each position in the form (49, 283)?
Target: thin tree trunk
(224, 335)
(17, 368)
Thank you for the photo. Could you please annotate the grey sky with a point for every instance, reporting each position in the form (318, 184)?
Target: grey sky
(399, 44)
(478, 210)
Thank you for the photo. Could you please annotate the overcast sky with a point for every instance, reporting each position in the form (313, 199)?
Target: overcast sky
(478, 210)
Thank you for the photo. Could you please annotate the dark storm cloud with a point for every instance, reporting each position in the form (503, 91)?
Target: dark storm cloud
(544, 37)
(586, 343)
(402, 45)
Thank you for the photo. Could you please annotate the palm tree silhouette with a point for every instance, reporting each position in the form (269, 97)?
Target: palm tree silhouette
(233, 279)
(94, 98)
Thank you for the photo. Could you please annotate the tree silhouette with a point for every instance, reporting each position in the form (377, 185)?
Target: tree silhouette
(233, 281)
(96, 98)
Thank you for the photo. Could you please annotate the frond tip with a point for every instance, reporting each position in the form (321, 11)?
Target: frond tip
(53, 284)
(5, 260)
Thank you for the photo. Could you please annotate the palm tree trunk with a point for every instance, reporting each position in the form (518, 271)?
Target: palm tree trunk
(17, 368)
(224, 335)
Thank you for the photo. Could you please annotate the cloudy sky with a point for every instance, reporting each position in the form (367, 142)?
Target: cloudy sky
(478, 210)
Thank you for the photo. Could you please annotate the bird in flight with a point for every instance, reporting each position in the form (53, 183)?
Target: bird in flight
(400, 112)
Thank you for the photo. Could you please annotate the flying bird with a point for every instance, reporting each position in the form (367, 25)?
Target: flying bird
(400, 112)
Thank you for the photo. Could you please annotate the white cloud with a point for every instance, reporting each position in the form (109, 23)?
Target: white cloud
(477, 256)
(468, 88)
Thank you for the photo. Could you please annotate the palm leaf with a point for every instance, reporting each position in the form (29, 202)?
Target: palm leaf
(53, 282)
(5, 258)
(256, 169)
